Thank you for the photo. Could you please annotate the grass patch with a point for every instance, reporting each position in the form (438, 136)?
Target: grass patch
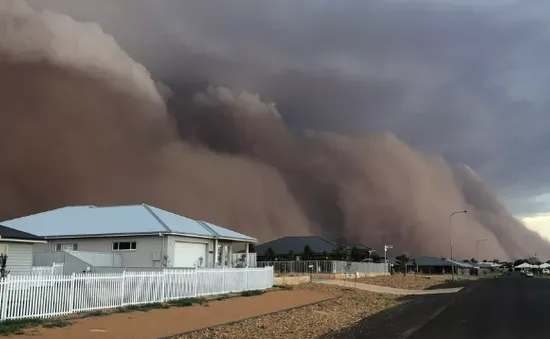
(17, 326)
(223, 297)
(251, 293)
(187, 302)
(97, 313)
(57, 323)
(141, 308)
(284, 287)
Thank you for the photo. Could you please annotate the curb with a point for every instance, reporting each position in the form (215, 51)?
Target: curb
(173, 336)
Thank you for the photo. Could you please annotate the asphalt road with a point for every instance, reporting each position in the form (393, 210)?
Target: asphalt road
(510, 307)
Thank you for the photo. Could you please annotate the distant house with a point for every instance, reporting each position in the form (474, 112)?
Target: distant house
(290, 248)
(18, 246)
(434, 265)
(129, 236)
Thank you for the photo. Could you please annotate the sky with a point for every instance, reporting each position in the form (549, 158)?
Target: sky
(466, 80)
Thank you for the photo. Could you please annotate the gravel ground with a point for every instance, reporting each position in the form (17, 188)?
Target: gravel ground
(348, 309)
(407, 282)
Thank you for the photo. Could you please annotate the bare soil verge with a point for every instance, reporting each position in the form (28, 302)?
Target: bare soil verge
(407, 282)
(348, 309)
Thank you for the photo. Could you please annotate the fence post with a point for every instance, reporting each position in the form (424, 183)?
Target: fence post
(246, 279)
(196, 281)
(73, 291)
(4, 282)
(223, 279)
(123, 285)
(163, 282)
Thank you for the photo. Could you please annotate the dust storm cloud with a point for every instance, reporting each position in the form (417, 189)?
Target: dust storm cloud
(83, 123)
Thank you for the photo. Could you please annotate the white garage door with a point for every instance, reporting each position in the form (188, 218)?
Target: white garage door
(187, 254)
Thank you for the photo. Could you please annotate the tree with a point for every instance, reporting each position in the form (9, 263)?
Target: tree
(269, 254)
(519, 262)
(376, 258)
(340, 252)
(473, 260)
(532, 260)
(308, 253)
(291, 255)
(496, 261)
(3, 262)
(354, 254)
(401, 262)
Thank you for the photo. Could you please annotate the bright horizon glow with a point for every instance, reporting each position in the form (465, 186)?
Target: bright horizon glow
(539, 223)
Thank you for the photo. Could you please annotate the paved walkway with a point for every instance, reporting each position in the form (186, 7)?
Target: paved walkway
(166, 322)
(384, 289)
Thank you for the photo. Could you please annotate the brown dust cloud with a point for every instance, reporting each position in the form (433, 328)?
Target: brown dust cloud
(83, 123)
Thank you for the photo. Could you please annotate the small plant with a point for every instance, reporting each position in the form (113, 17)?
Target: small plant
(141, 308)
(57, 323)
(251, 293)
(3, 262)
(223, 297)
(187, 302)
(284, 287)
(95, 314)
(17, 326)
(180, 303)
(199, 262)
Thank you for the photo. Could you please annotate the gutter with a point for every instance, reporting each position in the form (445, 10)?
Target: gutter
(27, 241)
(123, 235)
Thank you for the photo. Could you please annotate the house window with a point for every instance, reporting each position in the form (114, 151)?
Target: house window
(124, 246)
(66, 247)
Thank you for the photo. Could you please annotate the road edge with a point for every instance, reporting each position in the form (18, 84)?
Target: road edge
(409, 333)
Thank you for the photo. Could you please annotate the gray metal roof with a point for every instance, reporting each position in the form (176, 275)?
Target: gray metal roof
(284, 245)
(10, 233)
(429, 261)
(78, 221)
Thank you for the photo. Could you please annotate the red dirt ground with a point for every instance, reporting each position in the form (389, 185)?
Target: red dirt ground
(165, 322)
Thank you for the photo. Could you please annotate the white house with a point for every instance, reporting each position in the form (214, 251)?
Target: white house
(18, 246)
(131, 236)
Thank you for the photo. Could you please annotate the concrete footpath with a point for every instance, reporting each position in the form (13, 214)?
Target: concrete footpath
(384, 289)
(168, 322)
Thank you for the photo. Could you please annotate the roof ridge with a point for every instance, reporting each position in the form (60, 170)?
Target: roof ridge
(326, 240)
(208, 228)
(157, 218)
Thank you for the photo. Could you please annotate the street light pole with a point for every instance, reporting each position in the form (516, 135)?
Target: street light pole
(477, 248)
(386, 247)
(451, 242)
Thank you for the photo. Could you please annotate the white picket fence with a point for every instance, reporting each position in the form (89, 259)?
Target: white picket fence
(55, 269)
(49, 296)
